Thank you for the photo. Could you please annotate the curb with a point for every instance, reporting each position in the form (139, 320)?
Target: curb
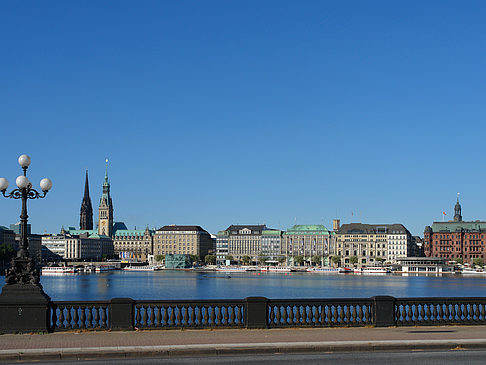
(87, 353)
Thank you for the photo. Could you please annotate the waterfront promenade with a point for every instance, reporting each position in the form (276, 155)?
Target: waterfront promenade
(87, 345)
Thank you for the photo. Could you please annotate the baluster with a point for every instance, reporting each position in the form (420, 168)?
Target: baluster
(347, 315)
(441, 313)
(434, 313)
(225, 315)
(206, 315)
(172, 315)
(278, 315)
(359, 317)
(190, 315)
(422, 313)
(231, 313)
(211, 315)
(353, 314)
(291, 314)
(285, 316)
(82, 317)
(156, 322)
(482, 312)
(341, 314)
(447, 313)
(75, 316)
(366, 315)
(476, 312)
(54, 317)
(178, 315)
(453, 312)
(89, 323)
(198, 315)
(314, 312)
(219, 315)
(239, 315)
(302, 310)
(68, 317)
(427, 311)
(96, 317)
(335, 314)
(104, 321)
(166, 316)
(144, 316)
(322, 319)
(271, 315)
(460, 312)
(329, 314)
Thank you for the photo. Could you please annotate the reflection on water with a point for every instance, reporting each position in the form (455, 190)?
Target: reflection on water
(214, 285)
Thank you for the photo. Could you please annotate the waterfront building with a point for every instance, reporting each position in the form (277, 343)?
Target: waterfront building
(271, 242)
(186, 240)
(418, 245)
(221, 247)
(177, 261)
(7, 237)
(245, 240)
(35, 245)
(89, 247)
(54, 247)
(306, 241)
(456, 239)
(372, 243)
(133, 245)
(425, 265)
(16, 228)
(105, 210)
(86, 211)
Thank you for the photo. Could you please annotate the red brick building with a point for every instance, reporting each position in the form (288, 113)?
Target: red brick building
(456, 239)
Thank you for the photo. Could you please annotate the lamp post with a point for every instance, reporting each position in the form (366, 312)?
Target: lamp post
(23, 303)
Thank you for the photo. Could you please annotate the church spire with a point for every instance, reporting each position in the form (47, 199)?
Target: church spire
(86, 212)
(457, 211)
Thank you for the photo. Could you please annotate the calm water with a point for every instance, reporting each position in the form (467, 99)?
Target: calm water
(211, 285)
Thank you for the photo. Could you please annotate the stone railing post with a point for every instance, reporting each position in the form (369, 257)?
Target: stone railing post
(256, 312)
(122, 314)
(384, 311)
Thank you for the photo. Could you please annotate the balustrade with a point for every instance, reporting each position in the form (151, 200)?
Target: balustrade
(79, 315)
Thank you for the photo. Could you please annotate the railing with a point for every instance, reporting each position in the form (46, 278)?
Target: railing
(440, 311)
(151, 314)
(320, 313)
(65, 316)
(252, 312)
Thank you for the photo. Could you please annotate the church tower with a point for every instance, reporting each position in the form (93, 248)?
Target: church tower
(86, 213)
(105, 222)
(457, 211)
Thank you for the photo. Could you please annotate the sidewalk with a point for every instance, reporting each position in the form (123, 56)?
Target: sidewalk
(104, 344)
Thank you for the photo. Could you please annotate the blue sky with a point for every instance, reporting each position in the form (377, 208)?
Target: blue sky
(223, 112)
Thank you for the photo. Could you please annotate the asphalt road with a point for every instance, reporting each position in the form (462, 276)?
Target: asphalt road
(462, 357)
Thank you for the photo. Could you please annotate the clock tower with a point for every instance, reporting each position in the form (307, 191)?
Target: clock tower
(105, 221)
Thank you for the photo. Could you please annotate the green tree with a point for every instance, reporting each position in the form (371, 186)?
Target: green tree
(316, 260)
(261, 259)
(299, 260)
(245, 259)
(281, 259)
(159, 258)
(336, 260)
(379, 260)
(478, 261)
(194, 258)
(353, 260)
(459, 261)
(210, 259)
(230, 258)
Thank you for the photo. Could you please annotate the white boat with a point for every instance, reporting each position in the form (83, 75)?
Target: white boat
(373, 270)
(56, 270)
(232, 269)
(329, 270)
(143, 268)
(104, 268)
(470, 270)
(276, 269)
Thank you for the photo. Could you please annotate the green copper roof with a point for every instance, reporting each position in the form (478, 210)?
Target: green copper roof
(308, 229)
(458, 226)
(77, 232)
(130, 232)
(271, 232)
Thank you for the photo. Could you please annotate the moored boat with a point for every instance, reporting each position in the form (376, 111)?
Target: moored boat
(143, 268)
(104, 268)
(329, 270)
(232, 269)
(372, 270)
(56, 270)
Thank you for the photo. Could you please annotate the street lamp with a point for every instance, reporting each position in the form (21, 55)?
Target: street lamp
(22, 268)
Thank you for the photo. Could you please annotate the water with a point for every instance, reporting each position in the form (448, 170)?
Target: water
(214, 285)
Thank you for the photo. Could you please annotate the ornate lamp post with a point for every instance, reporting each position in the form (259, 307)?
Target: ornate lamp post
(23, 302)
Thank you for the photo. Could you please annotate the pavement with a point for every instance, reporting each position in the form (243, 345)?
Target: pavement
(167, 343)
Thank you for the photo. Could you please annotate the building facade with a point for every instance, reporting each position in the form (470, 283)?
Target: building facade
(456, 239)
(133, 245)
(245, 240)
(372, 243)
(221, 247)
(306, 241)
(54, 247)
(89, 247)
(184, 240)
(271, 244)
(105, 211)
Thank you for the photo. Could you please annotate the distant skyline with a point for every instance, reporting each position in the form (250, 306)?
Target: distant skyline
(216, 113)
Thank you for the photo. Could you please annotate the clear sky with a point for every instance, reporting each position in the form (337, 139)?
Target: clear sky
(223, 112)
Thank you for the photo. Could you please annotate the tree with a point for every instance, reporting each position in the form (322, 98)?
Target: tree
(478, 261)
(194, 258)
(336, 260)
(281, 259)
(379, 260)
(299, 260)
(261, 259)
(230, 258)
(159, 258)
(353, 260)
(245, 260)
(210, 259)
(316, 259)
(459, 261)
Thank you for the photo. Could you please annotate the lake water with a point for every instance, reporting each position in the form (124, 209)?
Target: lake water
(214, 285)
